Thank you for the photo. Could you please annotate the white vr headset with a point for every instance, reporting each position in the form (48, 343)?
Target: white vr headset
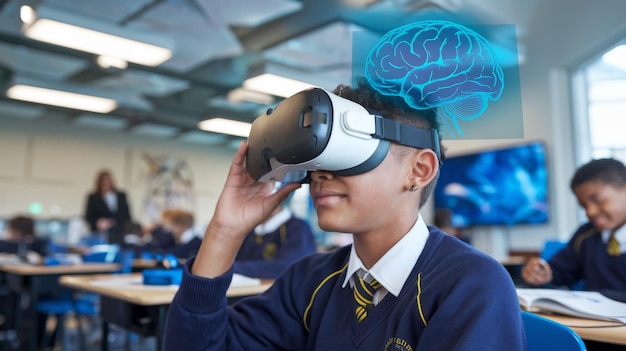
(317, 130)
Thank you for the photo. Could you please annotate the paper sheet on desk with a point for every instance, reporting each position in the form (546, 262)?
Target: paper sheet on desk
(125, 281)
(242, 280)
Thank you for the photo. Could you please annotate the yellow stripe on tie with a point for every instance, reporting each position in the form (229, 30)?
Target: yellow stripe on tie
(364, 296)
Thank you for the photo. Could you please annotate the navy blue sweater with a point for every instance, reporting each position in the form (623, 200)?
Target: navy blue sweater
(585, 257)
(456, 298)
(269, 255)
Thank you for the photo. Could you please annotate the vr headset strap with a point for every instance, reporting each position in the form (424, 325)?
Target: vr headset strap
(407, 135)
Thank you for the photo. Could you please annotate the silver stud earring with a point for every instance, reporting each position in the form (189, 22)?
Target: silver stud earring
(413, 187)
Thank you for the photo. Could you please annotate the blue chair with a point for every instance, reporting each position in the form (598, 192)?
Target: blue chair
(551, 247)
(543, 334)
(81, 303)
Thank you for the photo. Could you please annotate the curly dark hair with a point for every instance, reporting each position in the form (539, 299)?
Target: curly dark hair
(605, 170)
(395, 108)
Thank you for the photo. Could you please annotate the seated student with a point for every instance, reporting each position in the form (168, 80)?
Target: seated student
(273, 245)
(157, 236)
(596, 251)
(180, 224)
(21, 238)
(152, 240)
(401, 285)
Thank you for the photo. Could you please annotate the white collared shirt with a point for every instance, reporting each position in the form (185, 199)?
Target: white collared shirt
(620, 235)
(187, 236)
(393, 269)
(110, 198)
(272, 224)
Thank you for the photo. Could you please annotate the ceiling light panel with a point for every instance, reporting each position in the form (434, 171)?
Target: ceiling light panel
(98, 37)
(226, 126)
(61, 98)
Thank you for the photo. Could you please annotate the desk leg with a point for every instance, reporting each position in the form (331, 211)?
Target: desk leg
(160, 332)
(104, 346)
(34, 316)
(22, 299)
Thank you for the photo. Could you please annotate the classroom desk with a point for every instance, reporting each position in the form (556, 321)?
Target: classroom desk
(589, 329)
(36, 280)
(120, 294)
(140, 264)
(143, 263)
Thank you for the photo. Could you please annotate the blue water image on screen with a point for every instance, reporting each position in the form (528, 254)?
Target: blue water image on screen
(496, 187)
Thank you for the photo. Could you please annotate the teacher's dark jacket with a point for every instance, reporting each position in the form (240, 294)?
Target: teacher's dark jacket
(97, 208)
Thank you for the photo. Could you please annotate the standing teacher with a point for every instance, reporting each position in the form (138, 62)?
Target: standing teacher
(107, 209)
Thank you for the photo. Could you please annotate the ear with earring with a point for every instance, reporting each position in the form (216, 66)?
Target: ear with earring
(413, 188)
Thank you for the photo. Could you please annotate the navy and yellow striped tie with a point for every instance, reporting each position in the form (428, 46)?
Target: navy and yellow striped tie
(613, 246)
(364, 296)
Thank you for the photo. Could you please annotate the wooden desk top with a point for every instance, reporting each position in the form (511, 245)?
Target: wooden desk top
(142, 263)
(513, 260)
(129, 288)
(603, 331)
(29, 269)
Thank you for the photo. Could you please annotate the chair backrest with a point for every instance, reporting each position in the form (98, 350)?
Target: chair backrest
(111, 254)
(101, 253)
(551, 247)
(543, 334)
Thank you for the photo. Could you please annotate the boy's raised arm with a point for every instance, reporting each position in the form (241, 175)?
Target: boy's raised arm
(242, 205)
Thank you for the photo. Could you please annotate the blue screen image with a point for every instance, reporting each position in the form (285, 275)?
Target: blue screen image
(505, 186)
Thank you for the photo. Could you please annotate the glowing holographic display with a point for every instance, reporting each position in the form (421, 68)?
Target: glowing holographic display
(437, 64)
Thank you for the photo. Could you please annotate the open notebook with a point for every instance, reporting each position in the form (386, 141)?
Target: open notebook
(584, 304)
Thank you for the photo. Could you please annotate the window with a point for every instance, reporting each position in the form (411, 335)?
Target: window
(600, 106)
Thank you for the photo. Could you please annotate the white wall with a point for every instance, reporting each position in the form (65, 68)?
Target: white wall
(55, 164)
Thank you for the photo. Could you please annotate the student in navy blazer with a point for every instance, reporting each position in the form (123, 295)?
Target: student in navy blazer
(180, 224)
(107, 208)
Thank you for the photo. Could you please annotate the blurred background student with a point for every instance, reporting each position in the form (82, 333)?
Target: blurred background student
(180, 224)
(173, 235)
(595, 256)
(21, 238)
(107, 209)
(273, 245)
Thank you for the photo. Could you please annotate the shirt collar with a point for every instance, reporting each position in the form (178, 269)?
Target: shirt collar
(272, 224)
(187, 236)
(620, 235)
(393, 269)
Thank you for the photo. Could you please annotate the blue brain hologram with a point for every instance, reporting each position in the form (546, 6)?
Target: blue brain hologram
(439, 65)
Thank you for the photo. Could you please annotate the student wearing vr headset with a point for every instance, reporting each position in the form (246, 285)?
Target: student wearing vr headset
(401, 285)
